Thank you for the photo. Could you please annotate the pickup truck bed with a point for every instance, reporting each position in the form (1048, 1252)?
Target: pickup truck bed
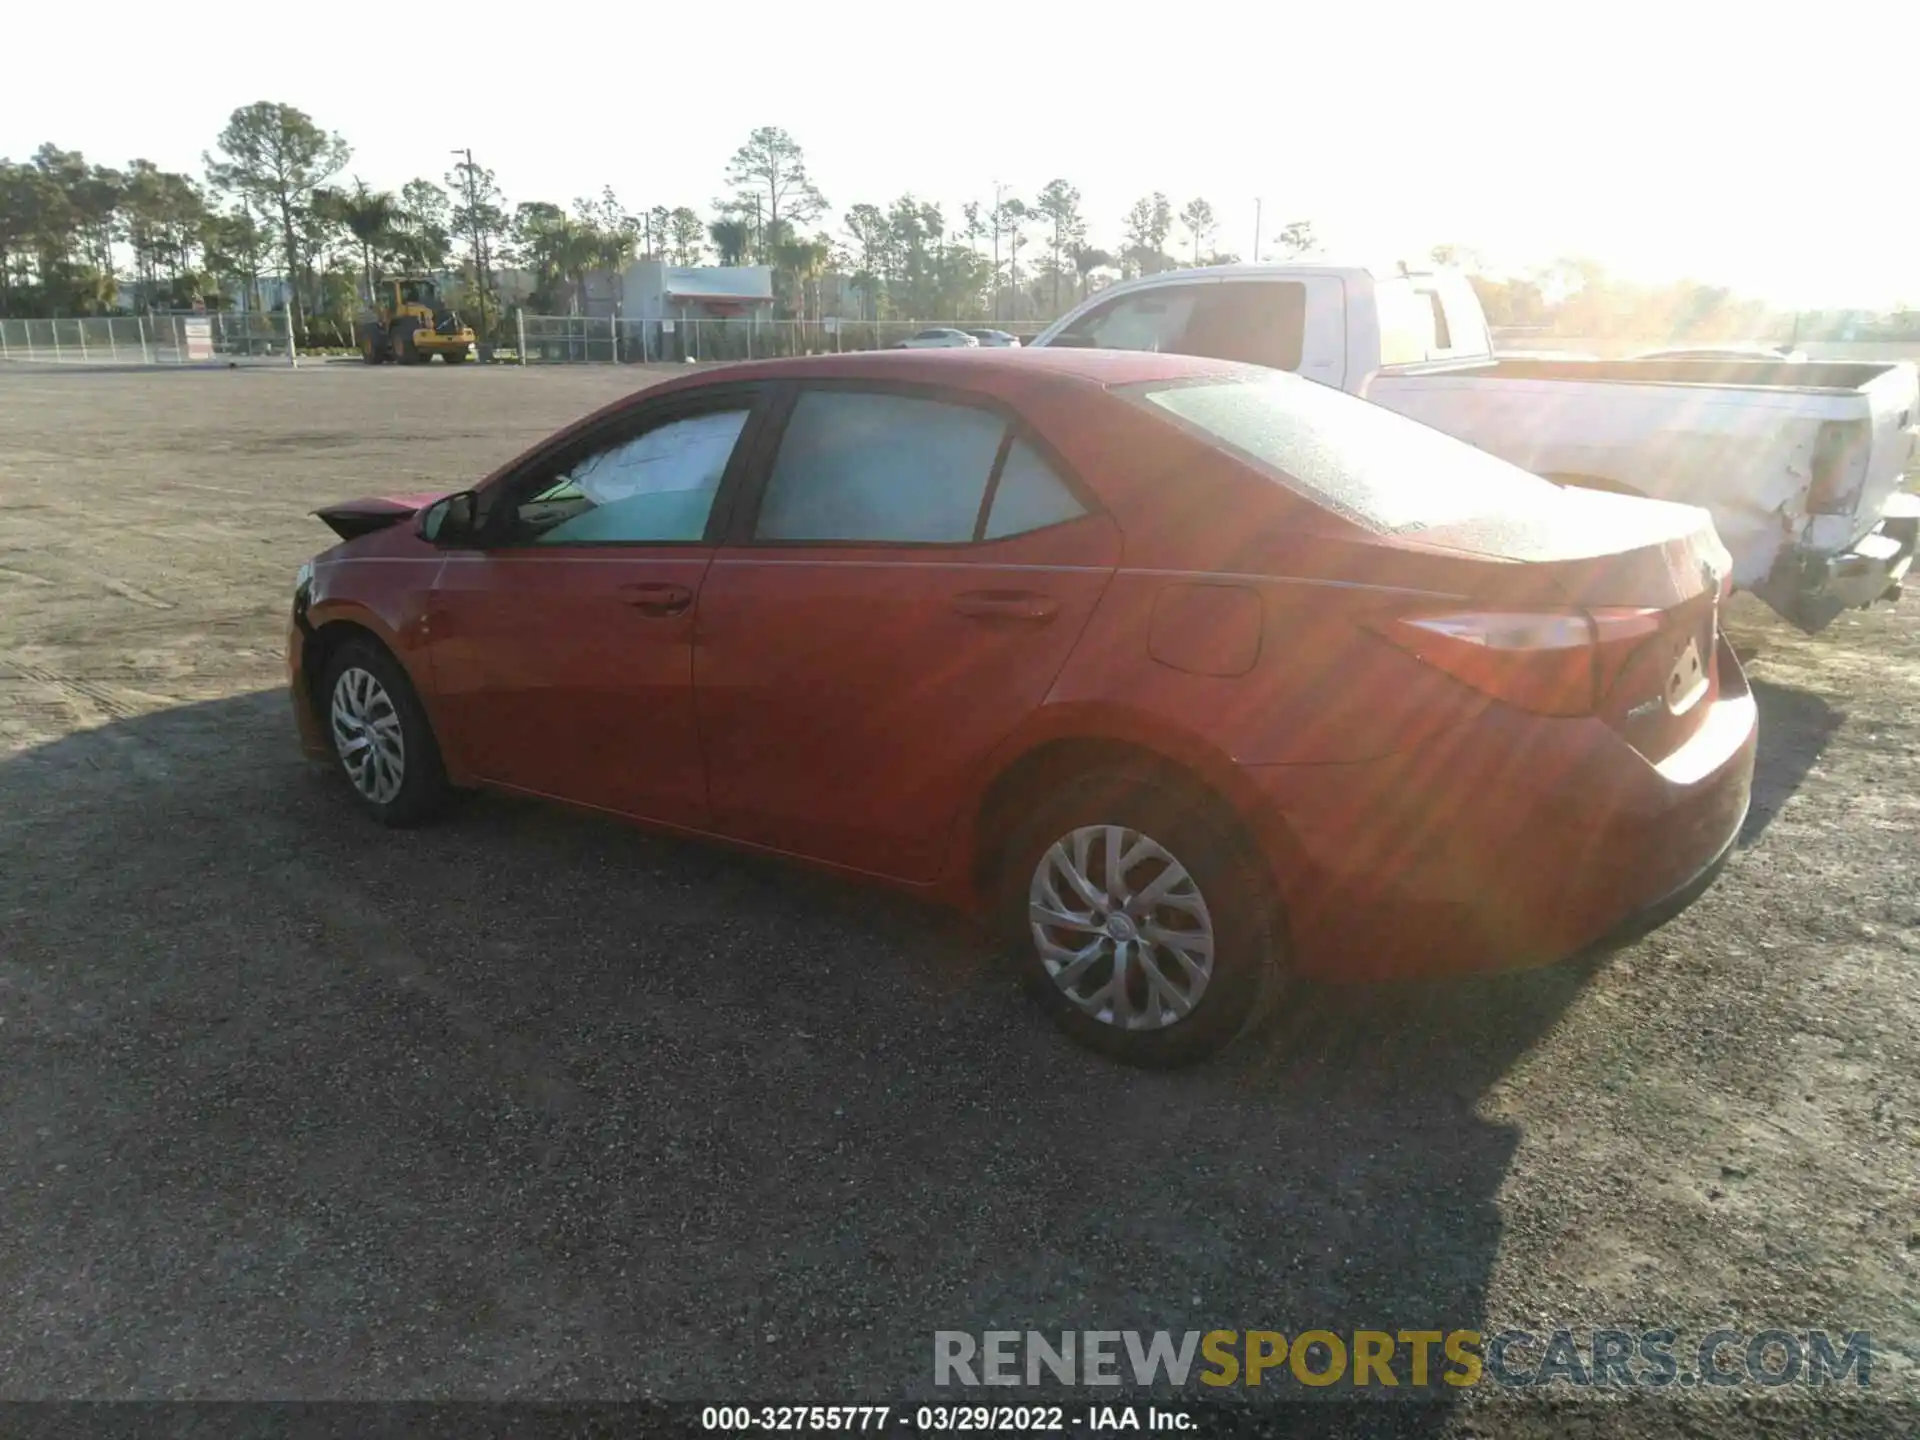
(1800, 463)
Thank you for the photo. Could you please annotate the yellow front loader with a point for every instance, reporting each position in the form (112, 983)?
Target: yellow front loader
(409, 325)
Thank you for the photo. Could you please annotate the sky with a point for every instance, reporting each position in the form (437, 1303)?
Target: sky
(1772, 149)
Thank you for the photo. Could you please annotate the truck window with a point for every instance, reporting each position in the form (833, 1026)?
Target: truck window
(1148, 320)
(1406, 323)
(1466, 325)
(1428, 320)
(1258, 322)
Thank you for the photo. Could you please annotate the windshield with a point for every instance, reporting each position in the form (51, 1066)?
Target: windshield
(1380, 469)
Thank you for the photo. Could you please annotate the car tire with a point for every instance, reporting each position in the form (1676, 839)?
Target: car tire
(381, 737)
(1224, 912)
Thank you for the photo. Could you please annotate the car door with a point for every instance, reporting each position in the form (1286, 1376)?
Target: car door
(900, 592)
(562, 646)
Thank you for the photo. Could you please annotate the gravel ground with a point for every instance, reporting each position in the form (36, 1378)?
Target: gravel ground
(534, 1105)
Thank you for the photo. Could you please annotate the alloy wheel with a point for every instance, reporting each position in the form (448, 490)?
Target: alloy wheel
(367, 735)
(1121, 927)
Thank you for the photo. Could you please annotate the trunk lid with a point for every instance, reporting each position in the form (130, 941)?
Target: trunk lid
(1649, 575)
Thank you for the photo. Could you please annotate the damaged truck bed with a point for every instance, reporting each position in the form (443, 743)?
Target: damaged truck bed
(1800, 464)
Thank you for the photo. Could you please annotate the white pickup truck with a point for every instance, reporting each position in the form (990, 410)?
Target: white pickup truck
(1800, 463)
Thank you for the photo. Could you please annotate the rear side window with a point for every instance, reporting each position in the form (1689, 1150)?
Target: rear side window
(1382, 470)
(884, 468)
(1029, 496)
(1258, 322)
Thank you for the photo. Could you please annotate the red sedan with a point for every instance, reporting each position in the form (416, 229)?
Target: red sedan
(1192, 674)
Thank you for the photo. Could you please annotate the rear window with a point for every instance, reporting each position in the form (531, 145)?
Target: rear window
(1379, 469)
(1433, 319)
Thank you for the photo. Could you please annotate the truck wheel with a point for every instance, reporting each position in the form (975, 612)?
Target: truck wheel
(369, 351)
(405, 352)
(456, 356)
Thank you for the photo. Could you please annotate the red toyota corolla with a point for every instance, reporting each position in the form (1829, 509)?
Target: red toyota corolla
(1193, 674)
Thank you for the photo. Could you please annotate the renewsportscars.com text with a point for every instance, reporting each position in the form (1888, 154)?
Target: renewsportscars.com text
(1411, 1359)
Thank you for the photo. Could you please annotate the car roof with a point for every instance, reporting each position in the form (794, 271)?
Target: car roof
(997, 371)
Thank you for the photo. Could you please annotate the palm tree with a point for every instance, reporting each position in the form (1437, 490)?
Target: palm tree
(577, 250)
(369, 215)
(803, 260)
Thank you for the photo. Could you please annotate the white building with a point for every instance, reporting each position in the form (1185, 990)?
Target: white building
(654, 290)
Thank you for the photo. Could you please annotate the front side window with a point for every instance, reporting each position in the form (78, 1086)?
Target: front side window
(1150, 320)
(867, 468)
(1257, 322)
(657, 487)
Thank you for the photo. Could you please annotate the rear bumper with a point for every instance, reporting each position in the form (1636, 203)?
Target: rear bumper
(1508, 842)
(1813, 590)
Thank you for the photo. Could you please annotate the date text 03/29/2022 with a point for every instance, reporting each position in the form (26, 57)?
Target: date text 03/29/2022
(940, 1419)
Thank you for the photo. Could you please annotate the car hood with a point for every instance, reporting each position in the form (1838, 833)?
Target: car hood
(351, 519)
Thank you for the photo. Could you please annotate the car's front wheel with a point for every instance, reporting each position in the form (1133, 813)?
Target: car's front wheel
(1141, 919)
(381, 736)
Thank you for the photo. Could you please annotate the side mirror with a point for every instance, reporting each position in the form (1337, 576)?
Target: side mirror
(452, 520)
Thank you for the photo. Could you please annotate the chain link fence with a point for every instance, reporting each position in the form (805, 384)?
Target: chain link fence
(596, 339)
(182, 339)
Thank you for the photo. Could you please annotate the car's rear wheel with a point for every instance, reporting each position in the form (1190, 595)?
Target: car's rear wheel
(1142, 921)
(381, 736)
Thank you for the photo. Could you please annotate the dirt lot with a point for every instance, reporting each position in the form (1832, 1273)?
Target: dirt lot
(534, 1105)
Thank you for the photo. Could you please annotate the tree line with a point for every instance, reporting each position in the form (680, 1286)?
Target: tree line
(276, 202)
(277, 219)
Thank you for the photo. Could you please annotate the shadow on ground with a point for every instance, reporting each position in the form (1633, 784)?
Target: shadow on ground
(1795, 726)
(534, 1104)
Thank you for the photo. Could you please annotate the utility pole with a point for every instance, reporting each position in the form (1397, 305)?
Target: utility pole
(1255, 257)
(998, 191)
(481, 263)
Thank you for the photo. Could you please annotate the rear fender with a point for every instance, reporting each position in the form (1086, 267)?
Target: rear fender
(1093, 724)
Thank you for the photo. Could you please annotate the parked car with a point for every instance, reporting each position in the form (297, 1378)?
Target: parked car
(999, 338)
(937, 338)
(1190, 674)
(1799, 463)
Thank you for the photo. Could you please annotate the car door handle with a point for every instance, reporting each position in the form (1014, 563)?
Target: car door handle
(657, 599)
(1018, 605)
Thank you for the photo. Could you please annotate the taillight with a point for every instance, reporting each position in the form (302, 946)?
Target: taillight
(1839, 466)
(1552, 662)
